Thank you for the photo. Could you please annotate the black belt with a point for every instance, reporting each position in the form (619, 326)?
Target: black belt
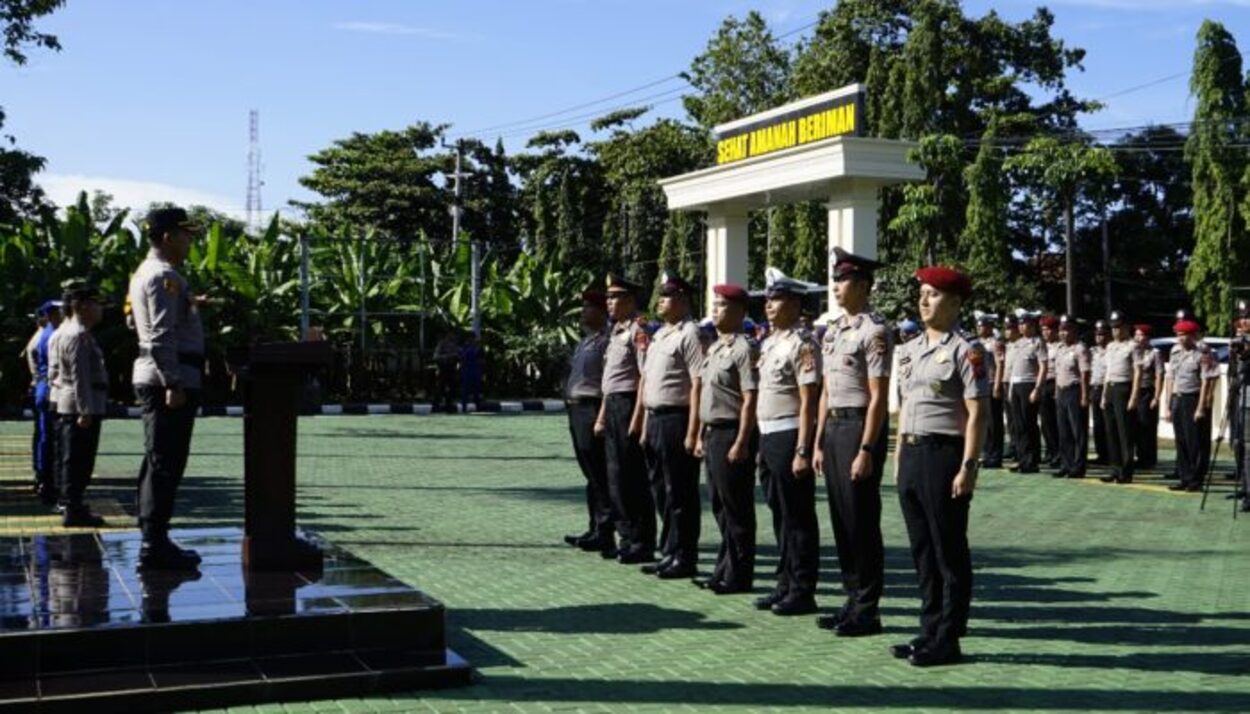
(621, 395)
(722, 424)
(848, 412)
(190, 359)
(583, 401)
(930, 439)
(661, 411)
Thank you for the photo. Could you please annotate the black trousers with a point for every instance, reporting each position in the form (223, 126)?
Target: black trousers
(1120, 428)
(1147, 429)
(1009, 452)
(447, 385)
(674, 476)
(1100, 423)
(1048, 412)
(855, 512)
(937, 529)
(166, 446)
(731, 487)
(794, 497)
(1245, 454)
(43, 447)
(1193, 440)
(992, 450)
(627, 476)
(1073, 430)
(1024, 415)
(589, 450)
(77, 449)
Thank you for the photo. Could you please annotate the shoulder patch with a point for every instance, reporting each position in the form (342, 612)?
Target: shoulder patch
(879, 344)
(807, 356)
(641, 338)
(976, 357)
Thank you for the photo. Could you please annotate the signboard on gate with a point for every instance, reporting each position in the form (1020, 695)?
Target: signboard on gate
(816, 119)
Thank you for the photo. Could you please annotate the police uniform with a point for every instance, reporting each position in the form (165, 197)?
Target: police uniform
(1025, 356)
(583, 393)
(1097, 376)
(43, 451)
(936, 378)
(627, 476)
(1047, 408)
(789, 362)
(729, 373)
(166, 320)
(855, 349)
(1187, 370)
(1239, 385)
(1071, 388)
(673, 360)
(82, 390)
(995, 350)
(1150, 364)
(1117, 390)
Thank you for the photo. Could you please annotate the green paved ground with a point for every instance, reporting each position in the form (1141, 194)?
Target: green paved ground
(1088, 597)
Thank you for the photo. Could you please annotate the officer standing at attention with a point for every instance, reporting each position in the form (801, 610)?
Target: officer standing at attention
(1002, 384)
(1026, 373)
(1048, 407)
(851, 437)
(43, 450)
(728, 443)
(671, 378)
(82, 402)
(995, 351)
(1149, 391)
(1097, 376)
(1072, 400)
(620, 423)
(945, 389)
(167, 376)
(583, 392)
(789, 391)
(1119, 400)
(1192, 372)
(1239, 383)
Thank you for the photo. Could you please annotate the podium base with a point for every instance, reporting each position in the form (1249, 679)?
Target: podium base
(290, 554)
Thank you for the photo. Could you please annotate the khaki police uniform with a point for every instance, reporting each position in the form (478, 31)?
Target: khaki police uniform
(1188, 369)
(583, 394)
(1071, 378)
(1121, 426)
(1025, 356)
(627, 476)
(1048, 409)
(1150, 364)
(1097, 376)
(82, 389)
(992, 451)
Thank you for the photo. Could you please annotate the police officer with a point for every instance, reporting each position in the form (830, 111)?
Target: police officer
(1119, 400)
(851, 441)
(1001, 384)
(728, 443)
(1026, 370)
(1191, 375)
(583, 393)
(1072, 399)
(1097, 376)
(620, 423)
(944, 387)
(1048, 408)
(1149, 390)
(670, 393)
(82, 402)
(167, 377)
(789, 391)
(995, 351)
(1239, 383)
(43, 448)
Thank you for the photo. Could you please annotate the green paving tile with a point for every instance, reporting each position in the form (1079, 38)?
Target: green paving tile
(1087, 597)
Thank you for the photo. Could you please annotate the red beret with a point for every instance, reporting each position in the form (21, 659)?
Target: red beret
(1049, 321)
(729, 291)
(596, 298)
(1185, 327)
(948, 280)
(1143, 328)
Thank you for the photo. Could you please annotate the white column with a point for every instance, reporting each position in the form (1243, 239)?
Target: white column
(726, 251)
(852, 225)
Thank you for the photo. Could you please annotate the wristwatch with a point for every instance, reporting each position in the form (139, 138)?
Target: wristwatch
(866, 448)
(971, 465)
(802, 452)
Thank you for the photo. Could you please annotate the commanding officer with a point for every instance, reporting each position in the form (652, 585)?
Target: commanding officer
(851, 441)
(82, 402)
(1072, 400)
(1192, 371)
(945, 392)
(1149, 390)
(1119, 400)
(995, 351)
(670, 394)
(789, 384)
(620, 423)
(1026, 373)
(1097, 376)
(583, 392)
(727, 401)
(167, 379)
(1047, 409)
(43, 450)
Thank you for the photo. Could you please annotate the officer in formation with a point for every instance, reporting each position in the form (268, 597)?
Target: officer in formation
(1149, 391)
(1025, 369)
(851, 438)
(1072, 399)
(1119, 400)
(995, 352)
(1188, 391)
(583, 394)
(167, 377)
(944, 388)
(1239, 367)
(671, 377)
(1047, 406)
(728, 443)
(1097, 376)
(43, 442)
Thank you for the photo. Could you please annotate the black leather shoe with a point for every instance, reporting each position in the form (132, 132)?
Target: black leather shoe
(677, 570)
(655, 568)
(595, 544)
(721, 587)
(1245, 506)
(1109, 479)
(858, 628)
(1178, 487)
(609, 551)
(705, 583)
(1059, 474)
(164, 555)
(795, 605)
(1028, 471)
(766, 602)
(1194, 487)
(635, 556)
(81, 518)
(832, 620)
(575, 539)
(1077, 475)
(933, 656)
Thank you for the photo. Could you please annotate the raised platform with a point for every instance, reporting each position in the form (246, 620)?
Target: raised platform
(81, 630)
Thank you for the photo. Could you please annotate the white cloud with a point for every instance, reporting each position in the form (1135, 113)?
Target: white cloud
(63, 189)
(395, 28)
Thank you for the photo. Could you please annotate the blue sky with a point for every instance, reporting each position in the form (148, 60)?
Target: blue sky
(149, 99)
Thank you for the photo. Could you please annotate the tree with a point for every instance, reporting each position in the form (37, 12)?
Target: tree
(1217, 166)
(742, 71)
(984, 247)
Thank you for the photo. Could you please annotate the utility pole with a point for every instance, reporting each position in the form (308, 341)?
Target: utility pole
(1106, 265)
(254, 181)
(475, 258)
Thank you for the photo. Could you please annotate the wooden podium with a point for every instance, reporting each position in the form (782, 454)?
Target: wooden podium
(272, 388)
